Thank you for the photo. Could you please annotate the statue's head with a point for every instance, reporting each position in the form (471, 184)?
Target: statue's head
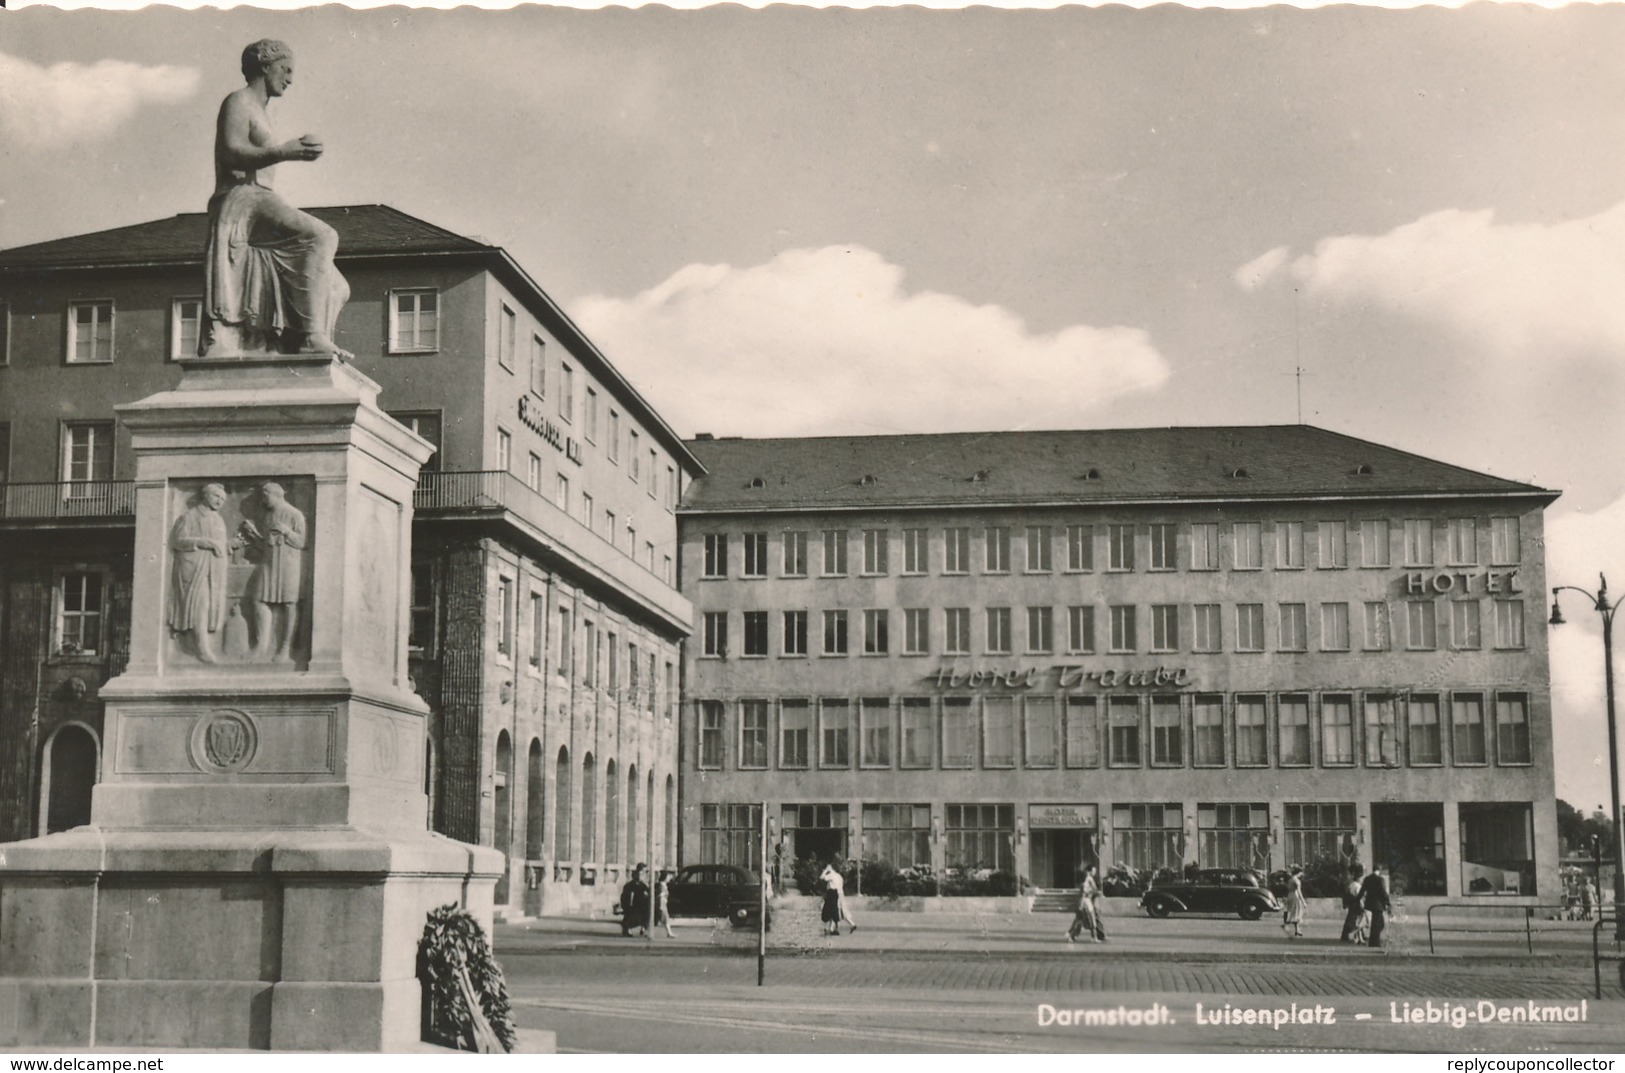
(272, 492)
(213, 494)
(261, 54)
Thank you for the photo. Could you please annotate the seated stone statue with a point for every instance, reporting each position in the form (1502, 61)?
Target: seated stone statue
(269, 281)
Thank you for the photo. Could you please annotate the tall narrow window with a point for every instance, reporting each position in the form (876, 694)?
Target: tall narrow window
(1374, 542)
(1375, 633)
(795, 729)
(1465, 628)
(1289, 545)
(958, 733)
(1207, 730)
(414, 323)
(1249, 627)
(1040, 629)
(1081, 745)
(79, 614)
(1249, 545)
(1204, 546)
(956, 631)
(567, 393)
(90, 332)
(533, 472)
(1080, 629)
(1119, 547)
(834, 633)
(876, 641)
(755, 555)
(834, 734)
(504, 450)
(1292, 716)
(1123, 638)
(507, 337)
(1381, 730)
(916, 631)
(915, 743)
(1294, 622)
(538, 374)
(999, 732)
(1080, 547)
(755, 633)
(87, 453)
(1041, 749)
(1418, 542)
(1467, 744)
(1504, 543)
(715, 639)
(711, 735)
(1462, 534)
(875, 729)
(538, 629)
(956, 550)
(1421, 624)
(998, 630)
(1167, 732)
(1165, 628)
(795, 633)
(916, 547)
(753, 733)
(1509, 624)
(505, 613)
(996, 543)
(1164, 546)
(834, 552)
(1334, 627)
(634, 456)
(1038, 549)
(1207, 628)
(1337, 731)
(795, 554)
(716, 555)
(1426, 743)
(564, 658)
(1512, 728)
(1333, 549)
(1123, 724)
(875, 546)
(185, 327)
(1252, 737)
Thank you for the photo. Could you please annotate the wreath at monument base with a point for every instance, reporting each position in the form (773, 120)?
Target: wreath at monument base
(465, 998)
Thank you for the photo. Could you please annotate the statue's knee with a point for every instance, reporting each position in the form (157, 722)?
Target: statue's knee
(326, 239)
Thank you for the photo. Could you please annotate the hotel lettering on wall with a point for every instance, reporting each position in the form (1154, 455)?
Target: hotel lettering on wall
(1045, 816)
(532, 418)
(1063, 676)
(1489, 582)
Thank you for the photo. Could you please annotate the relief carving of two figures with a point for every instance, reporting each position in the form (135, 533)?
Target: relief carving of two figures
(203, 551)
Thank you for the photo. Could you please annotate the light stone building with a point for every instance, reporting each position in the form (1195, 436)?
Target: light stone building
(1019, 652)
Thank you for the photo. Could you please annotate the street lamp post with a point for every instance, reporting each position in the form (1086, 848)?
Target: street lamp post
(1606, 610)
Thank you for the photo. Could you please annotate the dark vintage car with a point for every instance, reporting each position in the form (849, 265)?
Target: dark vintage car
(1212, 890)
(716, 890)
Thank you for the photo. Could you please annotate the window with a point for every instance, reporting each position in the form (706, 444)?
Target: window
(1080, 629)
(533, 472)
(716, 555)
(1333, 538)
(567, 393)
(1148, 836)
(753, 733)
(505, 613)
(795, 727)
(1289, 545)
(1081, 741)
(591, 431)
(1467, 741)
(999, 732)
(1204, 546)
(1426, 744)
(875, 640)
(1462, 538)
(956, 631)
(998, 630)
(1252, 736)
(1509, 624)
(755, 555)
(979, 836)
(90, 332)
(414, 322)
(834, 733)
(958, 733)
(1249, 545)
(1497, 840)
(1165, 628)
(1040, 629)
(916, 631)
(1249, 627)
(87, 452)
(538, 377)
(185, 328)
(897, 834)
(834, 552)
(563, 493)
(1376, 626)
(755, 633)
(956, 550)
(1167, 733)
(1292, 728)
(633, 674)
(420, 630)
(1123, 728)
(1418, 542)
(1038, 549)
(538, 629)
(1512, 728)
(634, 471)
(1119, 547)
(589, 650)
(996, 544)
(654, 472)
(1337, 731)
(1319, 829)
(1232, 836)
(795, 633)
(1041, 749)
(631, 541)
(649, 693)
(1122, 623)
(425, 423)
(1381, 731)
(1207, 730)
(1504, 549)
(711, 734)
(1421, 624)
(916, 545)
(874, 551)
(672, 489)
(1334, 627)
(507, 338)
(875, 732)
(795, 554)
(564, 664)
(1374, 542)
(715, 637)
(916, 736)
(586, 510)
(834, 633)
(1080, 547)
(1294, 621)
(79, 614)
(1465, 628)
(505, 451)
(1164, 546)
(1207, 628)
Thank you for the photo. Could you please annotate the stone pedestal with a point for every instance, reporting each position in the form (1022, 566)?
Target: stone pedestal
(258, 866)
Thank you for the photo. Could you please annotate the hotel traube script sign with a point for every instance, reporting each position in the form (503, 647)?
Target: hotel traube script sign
(1063, 676)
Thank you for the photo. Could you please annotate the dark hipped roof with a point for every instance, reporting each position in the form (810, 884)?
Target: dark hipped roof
(1224, 463)
(364, 231)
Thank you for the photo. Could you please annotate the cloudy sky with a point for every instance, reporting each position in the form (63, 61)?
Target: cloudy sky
(801, 221)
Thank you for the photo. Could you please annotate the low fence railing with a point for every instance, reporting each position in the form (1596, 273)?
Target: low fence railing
(67, 499)
(1520, 917)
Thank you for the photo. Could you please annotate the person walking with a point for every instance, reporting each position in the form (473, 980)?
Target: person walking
(1588, 899)
(1083, 918)
(831, 915)
(834, 880)
(635, 904)
(662, 902)
(1352, 912)
(1292, 919)
(1374, 900)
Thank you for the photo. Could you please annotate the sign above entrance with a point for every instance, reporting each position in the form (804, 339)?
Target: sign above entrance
(1042, 816)
(1063, 676)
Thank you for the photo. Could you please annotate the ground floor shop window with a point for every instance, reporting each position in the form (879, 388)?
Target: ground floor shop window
(897, 834)
(979, 837)
(1148, 836)
(815, 832)
(1317, 830)
(1497, 849)
(1233, 836)
(1408, 840)
(731, 834)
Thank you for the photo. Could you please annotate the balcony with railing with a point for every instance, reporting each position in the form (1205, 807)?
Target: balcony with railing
(68, 503)
(499, 495)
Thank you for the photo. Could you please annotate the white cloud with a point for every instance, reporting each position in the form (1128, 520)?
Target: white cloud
(829, 341)
(1258, 271)
(70, 103)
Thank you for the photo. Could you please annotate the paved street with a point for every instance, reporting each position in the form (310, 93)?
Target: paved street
(954, 983)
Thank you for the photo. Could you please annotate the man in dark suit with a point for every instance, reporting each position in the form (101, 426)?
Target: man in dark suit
(1351, 903)
(635, 904)
(1374, 900)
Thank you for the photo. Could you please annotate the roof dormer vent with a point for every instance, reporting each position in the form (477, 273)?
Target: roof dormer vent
(1363, 470)
(868, 479)
(758, 482)
(979, 476)
(1240, 474)
(1090, 474)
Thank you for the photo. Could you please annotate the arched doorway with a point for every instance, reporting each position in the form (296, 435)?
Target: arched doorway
(535, 804)
(72, 762)
(612, 814)
(671, 821)
(649, 828)
(589, 809)
(502, 823)
(632, 815)
(561, 806)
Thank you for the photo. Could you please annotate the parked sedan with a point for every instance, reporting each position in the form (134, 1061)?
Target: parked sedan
(716, 890)
(1213, 890)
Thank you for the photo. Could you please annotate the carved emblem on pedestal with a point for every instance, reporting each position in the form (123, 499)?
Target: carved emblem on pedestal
(223, 741)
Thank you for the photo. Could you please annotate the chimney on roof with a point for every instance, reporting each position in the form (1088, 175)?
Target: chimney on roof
(703, 436)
